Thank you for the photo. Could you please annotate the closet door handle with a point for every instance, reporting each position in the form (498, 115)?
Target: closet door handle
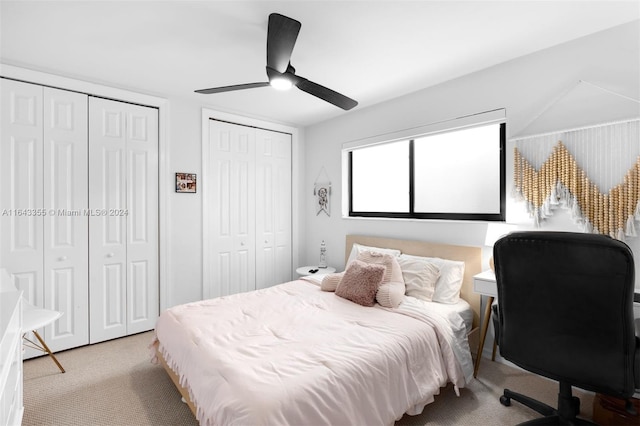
(111, 254)
(62, 258)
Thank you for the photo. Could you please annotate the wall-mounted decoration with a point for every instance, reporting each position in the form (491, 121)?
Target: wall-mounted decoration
(560, 181)
(582, 153)
(186, 182)
(322, 192)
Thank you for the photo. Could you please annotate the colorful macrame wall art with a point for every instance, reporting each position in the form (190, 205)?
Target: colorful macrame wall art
(594, 172)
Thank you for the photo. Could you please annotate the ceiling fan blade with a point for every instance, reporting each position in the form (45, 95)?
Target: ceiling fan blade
(281, 37)
(231, 88)
(324, 93)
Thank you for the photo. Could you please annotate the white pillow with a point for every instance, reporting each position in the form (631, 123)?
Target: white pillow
(419, 276)
(356, 249)
(448, 285)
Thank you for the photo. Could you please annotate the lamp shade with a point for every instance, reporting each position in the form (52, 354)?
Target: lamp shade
(497, 230)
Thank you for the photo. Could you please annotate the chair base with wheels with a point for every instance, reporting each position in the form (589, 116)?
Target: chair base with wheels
(566, 413)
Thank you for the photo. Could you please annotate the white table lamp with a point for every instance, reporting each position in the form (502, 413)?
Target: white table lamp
(495, 231)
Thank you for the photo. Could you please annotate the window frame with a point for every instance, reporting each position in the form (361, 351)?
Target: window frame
(411, 214)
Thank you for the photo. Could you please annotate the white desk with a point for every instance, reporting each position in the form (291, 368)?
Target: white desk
(484, 284)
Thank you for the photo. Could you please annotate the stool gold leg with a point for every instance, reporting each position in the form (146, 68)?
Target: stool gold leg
(47, 350)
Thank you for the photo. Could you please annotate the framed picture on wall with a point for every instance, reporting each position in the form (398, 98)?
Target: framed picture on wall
(186, 182)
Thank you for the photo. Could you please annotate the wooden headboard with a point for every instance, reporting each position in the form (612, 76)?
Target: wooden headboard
(471, 256)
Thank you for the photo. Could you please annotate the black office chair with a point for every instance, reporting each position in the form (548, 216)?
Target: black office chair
(565, 311)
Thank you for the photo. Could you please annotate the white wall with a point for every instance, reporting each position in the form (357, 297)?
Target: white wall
(523, 86)
(184, 211)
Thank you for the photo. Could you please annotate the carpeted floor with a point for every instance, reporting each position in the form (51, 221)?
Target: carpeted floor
(114, 383)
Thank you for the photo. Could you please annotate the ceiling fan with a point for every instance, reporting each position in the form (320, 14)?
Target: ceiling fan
(281, 38)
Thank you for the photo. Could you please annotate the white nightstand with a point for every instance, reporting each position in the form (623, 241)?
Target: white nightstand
(306, 270)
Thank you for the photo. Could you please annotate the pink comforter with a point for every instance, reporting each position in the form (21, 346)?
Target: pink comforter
(295, 355)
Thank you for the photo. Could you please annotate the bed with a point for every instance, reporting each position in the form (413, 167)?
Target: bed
(295, 354)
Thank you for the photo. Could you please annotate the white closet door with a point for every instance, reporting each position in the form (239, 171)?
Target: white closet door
(66, 287)
(123, 198)
(21, 198)
(142, 218)
(273, 208)
(231, 209)
(107, 232)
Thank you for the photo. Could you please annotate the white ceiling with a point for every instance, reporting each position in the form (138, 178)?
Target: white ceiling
(371, 51)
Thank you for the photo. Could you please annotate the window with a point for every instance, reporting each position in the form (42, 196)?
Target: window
(380, 182)
(450, 174)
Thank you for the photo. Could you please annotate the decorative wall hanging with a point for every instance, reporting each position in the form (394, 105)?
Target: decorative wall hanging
(591, 169)
(561, 182)
(322, 192)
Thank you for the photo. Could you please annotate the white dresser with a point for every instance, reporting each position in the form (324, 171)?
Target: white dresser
(11, 408)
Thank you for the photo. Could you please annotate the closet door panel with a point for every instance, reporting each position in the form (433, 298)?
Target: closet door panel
(232, 219)
(283, 207)
(66, 221)
(243, 215)
(265, 256)
(273, 208)
(21, 198)
(107, 231)
(142, 218)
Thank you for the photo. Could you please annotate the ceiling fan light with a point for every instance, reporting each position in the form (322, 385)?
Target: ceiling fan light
(280, 83)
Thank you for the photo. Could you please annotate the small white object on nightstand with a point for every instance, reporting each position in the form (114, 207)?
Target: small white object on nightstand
(306, 270)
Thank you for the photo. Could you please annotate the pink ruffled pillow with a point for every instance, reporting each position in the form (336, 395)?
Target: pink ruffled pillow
(360, 282)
